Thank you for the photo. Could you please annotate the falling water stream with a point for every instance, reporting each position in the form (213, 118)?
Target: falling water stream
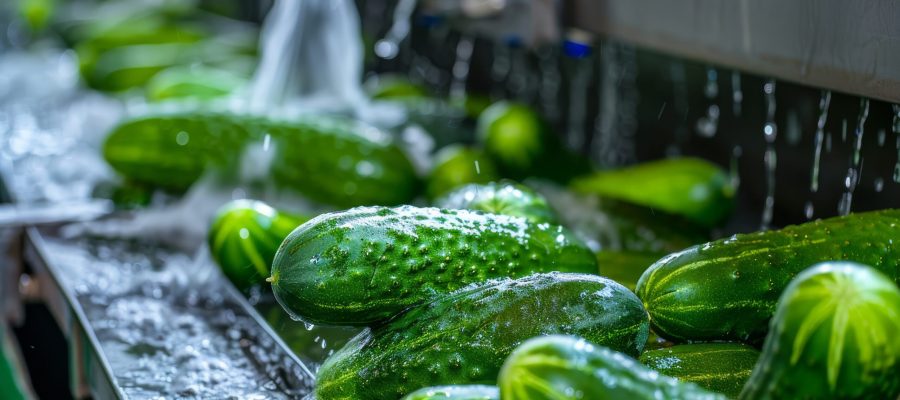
(464, 49)
(856, 163)
(709, 123)
(389, 47)
(770, 132)
(824, 104)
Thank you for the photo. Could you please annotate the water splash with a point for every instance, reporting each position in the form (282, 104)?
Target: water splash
(311, 54)
(855, 169)
(824, 104)
(809, 210)
(464, 49)
(737, 94)
(708, 124)
(770, 133)
(389, 47)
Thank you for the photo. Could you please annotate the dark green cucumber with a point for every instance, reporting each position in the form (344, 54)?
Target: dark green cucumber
(457, 392)
(341, 162)
(719, 367)
(173, 151)
(244, 237)
(333, 161)
(367, 264)
(727, 289)
(834, 336)
(455, 166)
(565, 367)
(690, 187)
(505, 197)
(463, 337)
(625, 267)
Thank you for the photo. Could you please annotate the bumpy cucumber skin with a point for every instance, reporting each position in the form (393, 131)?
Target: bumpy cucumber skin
(506, 198)
(566, 367)
(690, 187)
(458, 392)
(464, 337)
(367, 264)
(719, 367)
(342, 163)
(728, 289)
(173, 151)
(243, 239)
(834, 336)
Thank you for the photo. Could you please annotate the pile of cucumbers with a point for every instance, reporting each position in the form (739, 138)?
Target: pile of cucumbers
(487, 297)
(480, 291)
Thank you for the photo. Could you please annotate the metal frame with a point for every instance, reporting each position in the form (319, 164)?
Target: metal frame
(847, 46)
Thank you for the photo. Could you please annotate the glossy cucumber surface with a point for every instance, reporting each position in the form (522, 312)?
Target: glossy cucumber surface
(834, 336)
(565, 367)
(719, 367)
(243, 239)
(464, 337)
(728, 289)
(505, 197)
(367, 264)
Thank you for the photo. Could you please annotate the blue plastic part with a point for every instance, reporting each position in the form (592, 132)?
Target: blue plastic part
(576, 50)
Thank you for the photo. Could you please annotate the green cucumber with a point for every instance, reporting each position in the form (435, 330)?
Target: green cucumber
(506, 198)
(458, 392)
(463, 337)
(834, 336)
(719, 367)
(194, 82)
(367, 264)
(565, 367)
(455, 166)
(172, 151)
(244, 237)
(329, 160)
(690, 187)
(625, 267)
(341, 162)
(522, 144)
(728, 289)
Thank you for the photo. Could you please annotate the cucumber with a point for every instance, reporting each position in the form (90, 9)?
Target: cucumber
(341, 162)
(625, 267)
(834, 336)
(463, 337)
(367, 264)
(505, 197)
(456, 166)
(332, 161)
(690, 187)
(565, 367)
(719, 367)
(727, 289)
(173, 151)
(458, 392)
(521, 143)
(243, 239)
(194, 82)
